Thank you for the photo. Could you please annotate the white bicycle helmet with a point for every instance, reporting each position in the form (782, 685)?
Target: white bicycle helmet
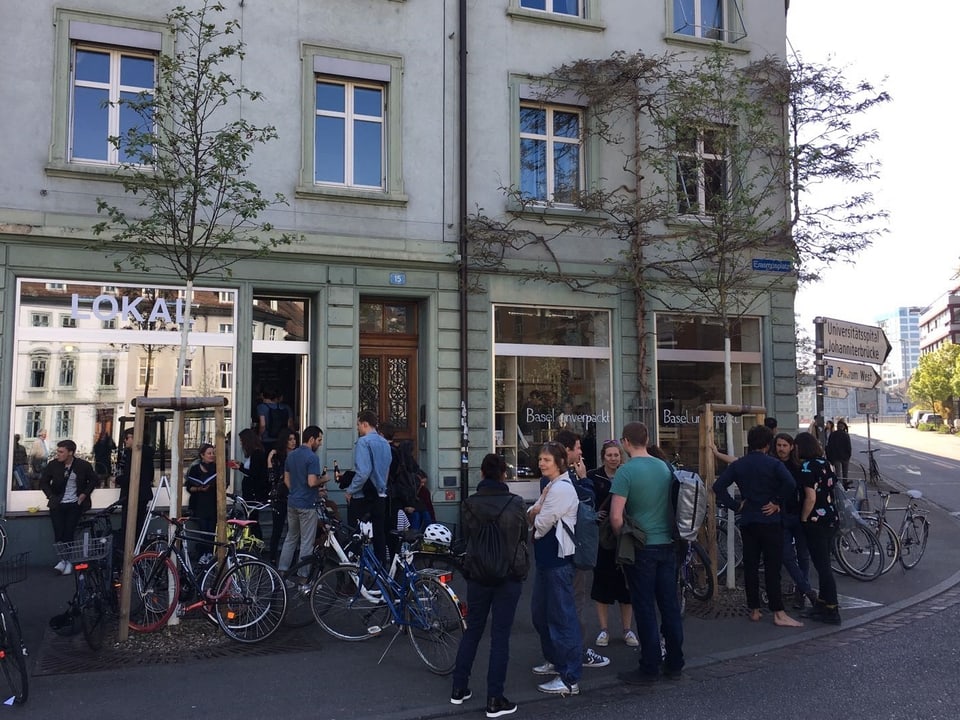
(438, 534)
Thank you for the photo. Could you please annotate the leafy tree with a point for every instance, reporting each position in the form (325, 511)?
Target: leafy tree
(186, 163)
(937, 378)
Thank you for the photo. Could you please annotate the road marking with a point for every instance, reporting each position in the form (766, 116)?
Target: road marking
(911, 471)
(852, 603)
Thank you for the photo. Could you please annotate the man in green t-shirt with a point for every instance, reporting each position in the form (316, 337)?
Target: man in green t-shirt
(641, 492)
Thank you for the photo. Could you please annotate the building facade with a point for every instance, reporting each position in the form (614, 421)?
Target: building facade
(940, 323)
(386, 141)
(902, 328)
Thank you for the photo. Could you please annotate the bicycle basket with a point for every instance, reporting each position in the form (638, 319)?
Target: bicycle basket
(87, 548)
(14, 570)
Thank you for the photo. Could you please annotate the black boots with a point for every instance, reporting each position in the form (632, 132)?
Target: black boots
(822, 612)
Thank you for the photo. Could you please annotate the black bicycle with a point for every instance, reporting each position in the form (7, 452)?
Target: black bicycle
(13, 653)
(91, 560)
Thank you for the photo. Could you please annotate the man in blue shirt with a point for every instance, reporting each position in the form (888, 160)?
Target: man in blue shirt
(371, 461)
(303, 478)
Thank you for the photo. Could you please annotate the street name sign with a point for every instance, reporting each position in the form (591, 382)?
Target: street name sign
(845, 340)
(845, 374)
(868, 401)
(768, 265)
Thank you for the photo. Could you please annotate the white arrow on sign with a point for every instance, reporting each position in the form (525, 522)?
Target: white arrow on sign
(833, 391)
(845, 374)
(851, 341)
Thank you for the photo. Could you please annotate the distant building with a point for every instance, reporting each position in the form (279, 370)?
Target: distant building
(902, 328)
(940, 323)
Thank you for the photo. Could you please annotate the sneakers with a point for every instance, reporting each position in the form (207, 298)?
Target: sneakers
(558, 687)
(60, 566)
(460, 694)
(603, 639)
(67, 569)
(546, 669)
(497, 706)
(591, 658)
(630, 638)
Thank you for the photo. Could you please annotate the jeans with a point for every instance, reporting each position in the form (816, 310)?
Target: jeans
(554, 614)
(653, 584)
(277, 528)
(819, 540)
(762, 540)
(302, 531)
(796, 557)
(500, 603)
(64, 518)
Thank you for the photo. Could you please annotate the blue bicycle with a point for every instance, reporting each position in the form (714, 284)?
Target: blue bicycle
(356, 602)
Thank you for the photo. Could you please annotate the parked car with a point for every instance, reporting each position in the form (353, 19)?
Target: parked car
(930, 418)
(915, 417)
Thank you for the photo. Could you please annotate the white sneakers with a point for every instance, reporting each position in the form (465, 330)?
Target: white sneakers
(63, 567)
(558, 687)
(630, 638)
(603, 639)
(546, 669)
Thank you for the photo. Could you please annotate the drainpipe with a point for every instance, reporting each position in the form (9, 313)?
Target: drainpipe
(462, 185)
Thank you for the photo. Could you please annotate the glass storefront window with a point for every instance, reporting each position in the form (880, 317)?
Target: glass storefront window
(75, 379)
(552, 372)
(690, 375)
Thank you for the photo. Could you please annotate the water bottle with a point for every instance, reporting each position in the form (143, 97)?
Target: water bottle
(336, 472)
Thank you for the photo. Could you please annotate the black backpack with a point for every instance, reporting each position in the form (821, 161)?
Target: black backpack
(485, 561)
(402, 483)
(278, 417)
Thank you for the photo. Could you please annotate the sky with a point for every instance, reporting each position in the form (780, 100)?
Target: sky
(913, 262)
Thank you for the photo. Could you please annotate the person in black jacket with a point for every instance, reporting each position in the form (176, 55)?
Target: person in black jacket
(145, 493)
(839, 450)
(255, 485)
(68, 482)
(495, 596)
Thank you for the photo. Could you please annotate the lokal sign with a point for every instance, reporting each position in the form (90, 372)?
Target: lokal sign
(845, 340)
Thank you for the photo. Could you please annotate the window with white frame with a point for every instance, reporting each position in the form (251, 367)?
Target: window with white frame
(707, 19)
(110, 324)
(108, 372)
(551, 153)
(145, 371)
(63, 423)
(226, 376)
(561, 7)
(33, 422)
(38, 370)
(224, 296)
(272, 333)
(103, 79)
(226, 328)
(40, 320)
(349, 133)
(56, 286)
(68, 321)
(702, 171)
(68, 371)
(187, 373)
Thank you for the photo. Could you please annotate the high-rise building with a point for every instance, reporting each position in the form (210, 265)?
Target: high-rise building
(940, 323)
(902, 328)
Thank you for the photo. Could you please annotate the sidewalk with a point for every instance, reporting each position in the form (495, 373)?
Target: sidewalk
(349, 683)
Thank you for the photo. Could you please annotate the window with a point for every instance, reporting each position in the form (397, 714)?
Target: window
(226, 328)
(145, 372)
(224, 296)
(108, 372)
(34, 422)
(108, 289)
(707, 19)
(226, 376)
(352, 134)
(68, 371)
(561, 7)
(39, 320)
(68, 321)
(110, 324)
(702, 170)
(551, 163)
(273, 333)
(56, 286)
(63, 423)
(187, 373)
(100, 60)
(38, 371)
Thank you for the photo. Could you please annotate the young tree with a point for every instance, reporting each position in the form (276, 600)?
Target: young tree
(186, 158)
(937, 378)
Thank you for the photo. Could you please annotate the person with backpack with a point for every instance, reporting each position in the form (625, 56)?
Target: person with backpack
(642, 496)
(402, 484)
(495, 566)
(273, 416)
(553, 606)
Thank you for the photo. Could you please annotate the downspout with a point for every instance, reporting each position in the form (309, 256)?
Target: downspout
(462, 187)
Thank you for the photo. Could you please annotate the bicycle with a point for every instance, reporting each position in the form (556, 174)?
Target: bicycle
(356, 602)
(91, 559)
(3, 536)
(911, 540)
(857, 552)
(250, 597)
(13, 652)
(872, 473)
(241, 509)
(722, 543)
(694, 575)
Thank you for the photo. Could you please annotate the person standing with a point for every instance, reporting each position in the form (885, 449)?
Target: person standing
(68, 482)
(39, 456)
(20, 465)
(303, 477)
(765, 485)
(839, 450)
(492, 508)
(255, 483)
(124, 465)
(642, 500)
(273, 415)
(819, 518)
(796, 558)
(553, 605)
(103, 457)
(201, 484)
(371, 462)
(276, 461)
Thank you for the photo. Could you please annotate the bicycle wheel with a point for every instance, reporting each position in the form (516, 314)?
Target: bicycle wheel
(3, 539)
(434, 624)
(155, 591)
(251, 601)
(889, 543)
(346, 606)
(913, 541)
(300, 580)
(12, 660)
(859, 552)
(699, 577)
(93, 614)
(722, 547)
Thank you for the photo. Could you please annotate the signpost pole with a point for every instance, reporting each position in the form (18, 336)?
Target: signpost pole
(820, 369)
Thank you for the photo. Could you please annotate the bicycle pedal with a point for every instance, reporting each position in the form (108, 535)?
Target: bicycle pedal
(374, 629)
